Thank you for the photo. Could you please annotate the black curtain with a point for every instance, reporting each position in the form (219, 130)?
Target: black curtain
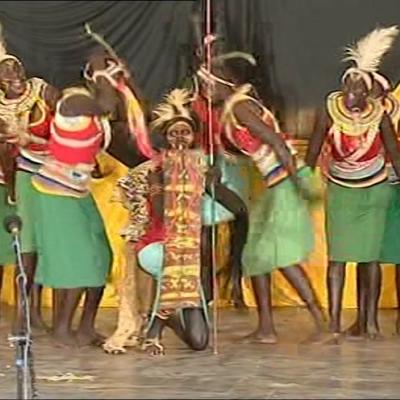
(49, 37)
(298, 43)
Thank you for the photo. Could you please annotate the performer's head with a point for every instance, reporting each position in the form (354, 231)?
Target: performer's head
(12, 72)
(12, 76)
(176, 121)
(362, 80)
(223, 78)
(103, 72)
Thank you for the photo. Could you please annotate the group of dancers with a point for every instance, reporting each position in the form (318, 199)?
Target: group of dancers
(185, 158)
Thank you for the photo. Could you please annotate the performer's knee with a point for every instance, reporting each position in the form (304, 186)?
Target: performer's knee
(196, 327)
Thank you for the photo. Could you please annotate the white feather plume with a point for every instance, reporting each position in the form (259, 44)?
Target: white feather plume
(175, 106)
(367, 53)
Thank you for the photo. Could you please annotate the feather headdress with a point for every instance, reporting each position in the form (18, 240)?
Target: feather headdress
(176, 105)
(367, 55)
(210, 77)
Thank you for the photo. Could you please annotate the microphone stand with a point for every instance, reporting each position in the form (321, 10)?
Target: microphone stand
(22, 339)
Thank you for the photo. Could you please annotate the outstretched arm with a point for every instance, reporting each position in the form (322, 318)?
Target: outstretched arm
(390, 142)
(317, 139)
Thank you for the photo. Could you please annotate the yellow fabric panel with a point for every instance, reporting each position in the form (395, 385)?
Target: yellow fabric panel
(283, 295)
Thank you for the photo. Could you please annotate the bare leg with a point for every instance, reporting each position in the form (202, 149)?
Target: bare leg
(359, 327)
(335, 282)
(206, 263)
(297, 277)
(265, 332)
(152, 343)
(239, 229)
(191, 326)
(36, 308)
(58, 299)
(398, 298)
(62, 332)
(374, 292)
(86, 334)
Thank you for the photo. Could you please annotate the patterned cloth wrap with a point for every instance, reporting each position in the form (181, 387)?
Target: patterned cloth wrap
(184, 184)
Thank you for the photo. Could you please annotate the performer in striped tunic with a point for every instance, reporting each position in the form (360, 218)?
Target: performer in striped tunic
(280, 233)
(358, 135)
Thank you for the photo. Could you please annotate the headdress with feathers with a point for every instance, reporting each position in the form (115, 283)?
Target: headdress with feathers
(367, 54)
(3, 49)
(218, 61)
(176, 106)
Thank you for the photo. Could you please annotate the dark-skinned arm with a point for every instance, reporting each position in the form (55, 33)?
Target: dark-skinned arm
(157, 192)
(123, 146)
(247, 116)
(317, 139)
(80, 105)
(390, 142)
(51, 95)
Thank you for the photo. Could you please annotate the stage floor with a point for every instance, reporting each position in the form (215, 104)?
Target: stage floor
(353, 370)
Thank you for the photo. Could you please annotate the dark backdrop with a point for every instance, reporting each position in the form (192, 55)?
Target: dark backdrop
(298, 43)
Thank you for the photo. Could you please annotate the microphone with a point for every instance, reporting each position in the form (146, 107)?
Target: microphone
(12, 224)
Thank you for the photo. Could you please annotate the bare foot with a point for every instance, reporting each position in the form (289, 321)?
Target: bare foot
(89, 338)
(373, 333)
(355, 331)
(64, 339)
(318, 337)
(258, 337)
(153, 347)
(38, 324)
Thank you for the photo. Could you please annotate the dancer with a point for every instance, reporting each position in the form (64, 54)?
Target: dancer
(357, 132)
(280, 233)
(26, 106)
(235, 177)
(177, 186)
(75, 254)
(390, 252)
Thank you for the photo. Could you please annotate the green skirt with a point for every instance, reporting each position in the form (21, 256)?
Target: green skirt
(355, 222)
(390, 252)
(280, 231)
(72, 245)
(25, 193)
(6, 250)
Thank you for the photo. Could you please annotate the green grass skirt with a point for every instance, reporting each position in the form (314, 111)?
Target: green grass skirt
(355, 222)
(25, 194)
(72, 245)
(390, 252)
(280, 231)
